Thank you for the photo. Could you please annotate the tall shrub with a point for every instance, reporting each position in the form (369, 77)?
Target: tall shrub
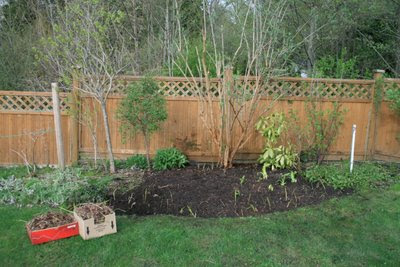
(314, 139)
(143, 110)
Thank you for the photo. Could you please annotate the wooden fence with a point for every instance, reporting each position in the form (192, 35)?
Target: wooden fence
(27, 128)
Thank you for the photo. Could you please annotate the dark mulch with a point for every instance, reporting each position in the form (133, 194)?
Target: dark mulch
(210, 192)
(49, 220)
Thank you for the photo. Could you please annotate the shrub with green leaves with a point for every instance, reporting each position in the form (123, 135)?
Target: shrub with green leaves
(275, 156)
(324, 126)
(143, 110)
(119, 164)
(333, 67)
(314, 138)
(137, 161)
(169, 158)
(338, 175)
(393, 95)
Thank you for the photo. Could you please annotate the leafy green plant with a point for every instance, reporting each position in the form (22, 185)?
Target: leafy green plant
(242, 180)
(143, 110)
(137, 161)
(331, 67)
(187, 63)
(169, 158)
(59, 188)
(119, 163)
(19, 171)
(338, 176)
(393, 95)
(275, 156)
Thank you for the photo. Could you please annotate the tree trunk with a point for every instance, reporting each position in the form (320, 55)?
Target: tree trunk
(94, 142)
(311, 39)
(108, 137)
(147, 145)
(398, 48)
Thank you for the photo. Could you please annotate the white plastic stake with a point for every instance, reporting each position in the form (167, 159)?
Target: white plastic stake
(353, 141)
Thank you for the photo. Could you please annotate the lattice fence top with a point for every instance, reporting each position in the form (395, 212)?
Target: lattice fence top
(288, 87)
(182, 87)
(324, 88)
(169, 86)
(30, 102)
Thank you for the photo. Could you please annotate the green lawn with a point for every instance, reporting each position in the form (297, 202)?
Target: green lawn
(360, 230)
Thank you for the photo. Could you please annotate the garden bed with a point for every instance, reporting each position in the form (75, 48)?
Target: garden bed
(211, 192)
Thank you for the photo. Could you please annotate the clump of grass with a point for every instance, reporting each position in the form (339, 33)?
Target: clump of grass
(337, 175)
(137, 161)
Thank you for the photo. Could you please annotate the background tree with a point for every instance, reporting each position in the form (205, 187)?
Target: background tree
(143, 110)
(87, 42)
(264, 45)
(331, 34)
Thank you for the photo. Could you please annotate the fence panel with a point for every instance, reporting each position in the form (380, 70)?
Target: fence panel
(27, 126)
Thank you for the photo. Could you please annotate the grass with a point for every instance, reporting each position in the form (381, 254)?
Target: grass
(360, 230)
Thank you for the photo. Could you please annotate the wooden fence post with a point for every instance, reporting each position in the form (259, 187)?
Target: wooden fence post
(373, 117)
(227, 87)
(74, 121)
(57, 124)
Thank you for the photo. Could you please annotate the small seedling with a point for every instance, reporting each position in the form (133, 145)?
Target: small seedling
(290, 175)
(261, 177)
(242, 180)
(271, 188)
(253, 208)
(194, 215)
(236, 194)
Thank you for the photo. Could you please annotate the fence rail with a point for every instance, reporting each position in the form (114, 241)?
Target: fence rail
(27, 123)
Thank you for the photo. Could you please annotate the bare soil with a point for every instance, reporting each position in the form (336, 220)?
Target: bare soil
(49, 220)
(213, 192)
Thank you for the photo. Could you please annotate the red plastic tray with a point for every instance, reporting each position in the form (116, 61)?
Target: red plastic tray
(54, 233)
